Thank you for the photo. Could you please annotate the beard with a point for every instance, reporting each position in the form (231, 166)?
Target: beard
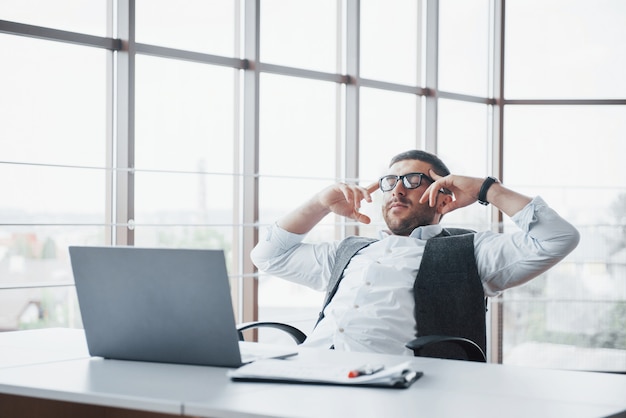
(420, 215)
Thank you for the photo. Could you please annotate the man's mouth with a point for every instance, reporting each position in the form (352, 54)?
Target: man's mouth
(397, 204)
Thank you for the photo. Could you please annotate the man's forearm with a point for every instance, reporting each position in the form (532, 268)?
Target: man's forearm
(341, 198)
(507, 200)
(305, 217)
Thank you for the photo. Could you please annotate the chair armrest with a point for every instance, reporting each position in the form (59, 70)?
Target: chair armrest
(297, 335)
(471, 349)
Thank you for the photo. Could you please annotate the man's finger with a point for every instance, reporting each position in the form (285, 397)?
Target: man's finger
(358, 216)
(372, 187)
(434, 175)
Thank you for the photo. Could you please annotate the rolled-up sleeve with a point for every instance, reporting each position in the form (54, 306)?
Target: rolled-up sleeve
(507, 260)
(283, 254)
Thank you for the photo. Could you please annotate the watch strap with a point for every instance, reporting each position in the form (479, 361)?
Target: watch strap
(482, 195)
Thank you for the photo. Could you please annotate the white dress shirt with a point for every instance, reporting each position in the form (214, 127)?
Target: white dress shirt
(373, 309)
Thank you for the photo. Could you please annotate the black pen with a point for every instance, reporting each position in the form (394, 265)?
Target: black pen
(366, 370)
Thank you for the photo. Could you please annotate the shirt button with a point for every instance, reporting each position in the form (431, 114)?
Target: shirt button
(340, 330)
(368, 283)
(356, 306)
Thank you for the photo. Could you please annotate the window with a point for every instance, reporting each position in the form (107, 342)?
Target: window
(54, 165)
(208, 123)
(463, 144)
(185, 137)
(192, 25)
(561, 83)
(389, 41)
(464, 47)
(300, 34)
(572, 316)
(70, 15)
(574, 50)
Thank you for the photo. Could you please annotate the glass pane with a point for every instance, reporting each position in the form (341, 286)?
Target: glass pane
(389, 41)
(573, 315)
(464, 46)
(300, 34)
(463, 147)
(185, 116)
(388, 126)
(34, 256)
(71, 15)
(39, 308)
(574, 50)
(181, 235)
(68, 195)
(194, 25)
(593, 135)
(183, 199)
(33, 253)
(275, 203)
(297, 127)
(47, 113)
(51, 118)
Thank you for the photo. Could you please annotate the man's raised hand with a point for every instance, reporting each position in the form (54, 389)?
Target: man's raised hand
(345, 200)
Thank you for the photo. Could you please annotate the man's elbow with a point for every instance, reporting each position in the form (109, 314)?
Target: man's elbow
(256, 258)
(573, 240)
(562, 244)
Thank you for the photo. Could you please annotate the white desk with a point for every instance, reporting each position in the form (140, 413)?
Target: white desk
(41, 346)
(448, 388)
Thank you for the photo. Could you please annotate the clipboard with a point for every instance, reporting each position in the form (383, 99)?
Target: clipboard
(400, 376)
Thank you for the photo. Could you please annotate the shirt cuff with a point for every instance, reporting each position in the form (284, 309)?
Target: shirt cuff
(527, 216)
(282, 238)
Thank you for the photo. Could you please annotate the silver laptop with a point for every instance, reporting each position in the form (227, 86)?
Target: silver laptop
(159, 305)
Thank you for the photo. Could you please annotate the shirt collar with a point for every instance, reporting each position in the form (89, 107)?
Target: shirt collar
(421, 232)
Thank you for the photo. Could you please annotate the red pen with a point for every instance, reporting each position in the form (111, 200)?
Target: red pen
(366, 370)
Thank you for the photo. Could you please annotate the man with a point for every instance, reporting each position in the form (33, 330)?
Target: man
(373, 306)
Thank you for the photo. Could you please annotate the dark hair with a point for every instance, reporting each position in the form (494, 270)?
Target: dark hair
(438, 166)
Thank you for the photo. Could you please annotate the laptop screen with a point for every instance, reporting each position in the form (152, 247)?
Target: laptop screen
(154, 304)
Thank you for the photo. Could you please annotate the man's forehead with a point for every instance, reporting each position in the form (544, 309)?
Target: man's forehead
(409, 166)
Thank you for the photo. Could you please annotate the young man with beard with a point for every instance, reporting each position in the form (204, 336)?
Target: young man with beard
(372, 301)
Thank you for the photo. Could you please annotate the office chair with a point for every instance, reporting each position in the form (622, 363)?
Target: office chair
(450, 310)
(425, 345)
(456, 344)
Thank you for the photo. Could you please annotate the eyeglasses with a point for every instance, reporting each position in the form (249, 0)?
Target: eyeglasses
(409, 180)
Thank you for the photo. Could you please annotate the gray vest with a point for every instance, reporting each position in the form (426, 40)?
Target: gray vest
(448, 292)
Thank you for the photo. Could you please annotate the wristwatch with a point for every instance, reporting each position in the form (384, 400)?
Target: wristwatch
(482, 195)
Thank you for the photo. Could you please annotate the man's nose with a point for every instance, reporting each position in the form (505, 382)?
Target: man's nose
(399, 188)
